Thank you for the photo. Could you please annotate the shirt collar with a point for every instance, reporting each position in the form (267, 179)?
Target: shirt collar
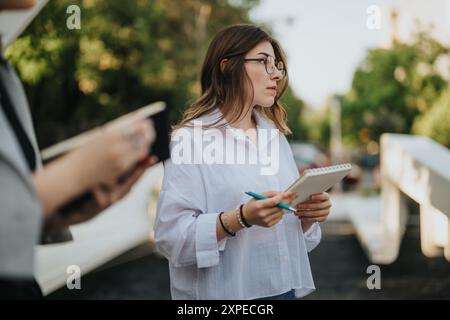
(265, 136)
(261, 121)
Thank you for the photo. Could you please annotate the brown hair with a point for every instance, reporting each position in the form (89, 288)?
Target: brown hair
(227, 87)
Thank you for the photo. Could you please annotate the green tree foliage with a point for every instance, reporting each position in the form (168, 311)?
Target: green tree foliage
(391, 88)
(294, 108)
(126, 54)
(436, 123)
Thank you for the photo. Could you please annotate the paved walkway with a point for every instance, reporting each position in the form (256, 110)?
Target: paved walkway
(339, 268)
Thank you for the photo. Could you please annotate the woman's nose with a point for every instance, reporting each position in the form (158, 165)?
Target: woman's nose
(276, 74)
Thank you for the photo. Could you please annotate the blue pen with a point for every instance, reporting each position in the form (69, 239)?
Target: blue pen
(260, 197)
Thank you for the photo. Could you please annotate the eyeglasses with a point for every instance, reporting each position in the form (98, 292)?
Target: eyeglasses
(270, 64)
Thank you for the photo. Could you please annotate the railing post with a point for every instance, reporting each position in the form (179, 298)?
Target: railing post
(447, 247)
(394, 217)
(430, 235)
(417, 168)
(394, 213)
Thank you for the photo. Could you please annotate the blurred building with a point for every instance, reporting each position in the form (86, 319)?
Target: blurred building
(405, 17)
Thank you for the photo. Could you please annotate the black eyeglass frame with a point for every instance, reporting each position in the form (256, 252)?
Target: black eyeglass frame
(276, 64)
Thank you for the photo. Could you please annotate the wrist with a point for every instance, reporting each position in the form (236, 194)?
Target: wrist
(245, 216)
(307, 225)
(79, 170)
(233, 222)
(54, 191)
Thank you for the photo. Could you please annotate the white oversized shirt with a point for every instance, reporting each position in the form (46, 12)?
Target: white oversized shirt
(257, 262)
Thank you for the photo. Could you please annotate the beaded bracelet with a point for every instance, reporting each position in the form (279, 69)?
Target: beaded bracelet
(241, 215)
(228, 231)
(239, 219)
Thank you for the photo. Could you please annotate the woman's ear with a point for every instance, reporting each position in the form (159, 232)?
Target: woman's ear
(222, 64)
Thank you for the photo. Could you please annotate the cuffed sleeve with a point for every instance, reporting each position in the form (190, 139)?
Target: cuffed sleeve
(207, 248)
(222, 244)
(185, 233)
(312, 236)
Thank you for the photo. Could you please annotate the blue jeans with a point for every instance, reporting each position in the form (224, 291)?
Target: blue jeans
(290, 295)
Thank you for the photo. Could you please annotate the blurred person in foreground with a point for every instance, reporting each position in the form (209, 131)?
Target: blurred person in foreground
(32, 195)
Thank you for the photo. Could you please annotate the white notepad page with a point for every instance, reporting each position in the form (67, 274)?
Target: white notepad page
(318, 180)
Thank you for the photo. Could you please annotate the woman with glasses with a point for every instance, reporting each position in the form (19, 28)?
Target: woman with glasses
(220, 243)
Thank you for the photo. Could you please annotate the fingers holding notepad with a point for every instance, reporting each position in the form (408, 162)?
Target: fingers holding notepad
(313, 203)
(316, 209)
(319, 180)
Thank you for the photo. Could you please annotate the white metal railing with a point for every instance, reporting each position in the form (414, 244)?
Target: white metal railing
(417, 167)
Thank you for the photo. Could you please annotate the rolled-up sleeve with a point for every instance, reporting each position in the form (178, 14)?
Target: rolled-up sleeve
(312, 236)
(207, 251)
(184, 232)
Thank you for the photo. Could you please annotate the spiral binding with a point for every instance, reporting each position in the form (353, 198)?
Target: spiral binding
(330, 169)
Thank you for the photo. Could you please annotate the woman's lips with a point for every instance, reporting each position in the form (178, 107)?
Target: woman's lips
(272, 89)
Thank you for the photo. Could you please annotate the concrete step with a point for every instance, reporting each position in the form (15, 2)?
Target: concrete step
(365, 215)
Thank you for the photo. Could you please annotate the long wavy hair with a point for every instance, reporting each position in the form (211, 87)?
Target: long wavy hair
(227, 88)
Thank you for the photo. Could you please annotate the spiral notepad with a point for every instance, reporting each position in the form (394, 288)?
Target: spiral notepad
(318, 180)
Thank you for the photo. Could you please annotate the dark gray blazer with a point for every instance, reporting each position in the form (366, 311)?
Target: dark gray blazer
(20, 209)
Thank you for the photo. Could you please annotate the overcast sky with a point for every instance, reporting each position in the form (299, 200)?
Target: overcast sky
(324, 40)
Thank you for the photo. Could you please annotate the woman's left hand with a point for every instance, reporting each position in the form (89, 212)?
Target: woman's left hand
(316, 209)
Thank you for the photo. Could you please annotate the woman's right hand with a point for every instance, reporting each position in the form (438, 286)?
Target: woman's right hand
(265, 213)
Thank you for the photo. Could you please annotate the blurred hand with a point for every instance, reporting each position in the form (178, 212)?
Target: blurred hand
(103, 197)
(264, 213)
(316, 209)
(16, 4)
(113, 152)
